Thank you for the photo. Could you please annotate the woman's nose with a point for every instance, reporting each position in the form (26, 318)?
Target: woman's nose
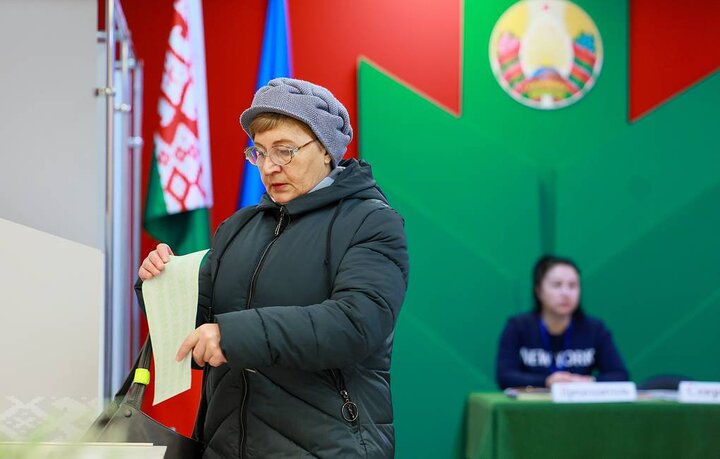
(268, 167)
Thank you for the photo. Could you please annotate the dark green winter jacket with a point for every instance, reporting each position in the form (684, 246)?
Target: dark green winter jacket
(306, 296)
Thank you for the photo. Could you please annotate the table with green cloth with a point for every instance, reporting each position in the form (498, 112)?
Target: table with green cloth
(499, 427)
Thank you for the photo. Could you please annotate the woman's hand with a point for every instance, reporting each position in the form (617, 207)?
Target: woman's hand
(154, 263)
(565, 376)
(205, 344)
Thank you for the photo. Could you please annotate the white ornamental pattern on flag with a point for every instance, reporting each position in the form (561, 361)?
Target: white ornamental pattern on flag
(183, 163)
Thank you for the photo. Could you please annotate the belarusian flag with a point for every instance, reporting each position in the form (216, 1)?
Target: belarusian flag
(180, 186)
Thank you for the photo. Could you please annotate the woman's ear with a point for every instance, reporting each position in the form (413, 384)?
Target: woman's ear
(327, 158)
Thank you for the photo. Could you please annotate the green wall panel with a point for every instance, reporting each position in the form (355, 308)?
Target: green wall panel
(485, 193)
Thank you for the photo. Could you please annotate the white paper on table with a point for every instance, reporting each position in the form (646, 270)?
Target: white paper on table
(171, 307)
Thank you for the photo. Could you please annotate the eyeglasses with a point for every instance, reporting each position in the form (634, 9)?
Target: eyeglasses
(279, 154)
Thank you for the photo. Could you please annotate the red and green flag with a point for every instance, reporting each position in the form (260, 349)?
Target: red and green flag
(180, 187)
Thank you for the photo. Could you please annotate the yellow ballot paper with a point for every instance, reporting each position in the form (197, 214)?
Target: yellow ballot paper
(171, 306)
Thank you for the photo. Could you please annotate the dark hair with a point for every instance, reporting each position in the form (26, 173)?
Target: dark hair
(542, 266)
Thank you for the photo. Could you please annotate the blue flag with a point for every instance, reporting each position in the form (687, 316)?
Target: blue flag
(274, 63)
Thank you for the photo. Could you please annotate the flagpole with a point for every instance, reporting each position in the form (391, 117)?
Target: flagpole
(109, 93)
(136, 145)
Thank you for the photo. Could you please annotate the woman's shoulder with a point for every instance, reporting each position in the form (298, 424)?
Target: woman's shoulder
(590, 322)
(370, 214)
(523, 320)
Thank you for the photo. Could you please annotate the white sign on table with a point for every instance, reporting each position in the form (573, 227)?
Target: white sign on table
(699, 392)
(593, 392)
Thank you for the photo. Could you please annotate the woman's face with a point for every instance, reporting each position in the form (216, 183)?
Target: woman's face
(559, 291)
(308, 167)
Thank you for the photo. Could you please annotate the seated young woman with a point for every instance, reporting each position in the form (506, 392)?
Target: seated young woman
(557, 341)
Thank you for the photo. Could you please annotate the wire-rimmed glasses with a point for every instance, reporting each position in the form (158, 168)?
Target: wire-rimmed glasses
(279, 154)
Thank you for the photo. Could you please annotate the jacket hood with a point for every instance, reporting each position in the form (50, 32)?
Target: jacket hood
(355, 181)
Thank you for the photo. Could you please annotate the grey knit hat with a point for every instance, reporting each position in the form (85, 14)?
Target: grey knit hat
(309, 103)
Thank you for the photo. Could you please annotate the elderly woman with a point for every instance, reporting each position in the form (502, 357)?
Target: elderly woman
(299, 295)
(557, 342)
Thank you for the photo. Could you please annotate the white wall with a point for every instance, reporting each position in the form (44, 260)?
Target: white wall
(51, 172)
(52, 182)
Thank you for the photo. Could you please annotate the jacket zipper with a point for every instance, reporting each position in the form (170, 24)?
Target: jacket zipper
(349, 410)
(253, 282)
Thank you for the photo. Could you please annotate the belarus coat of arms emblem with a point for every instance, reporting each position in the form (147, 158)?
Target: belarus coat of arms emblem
(546, 54)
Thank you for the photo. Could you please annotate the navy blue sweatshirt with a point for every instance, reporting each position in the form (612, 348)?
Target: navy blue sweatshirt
(527, 355)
